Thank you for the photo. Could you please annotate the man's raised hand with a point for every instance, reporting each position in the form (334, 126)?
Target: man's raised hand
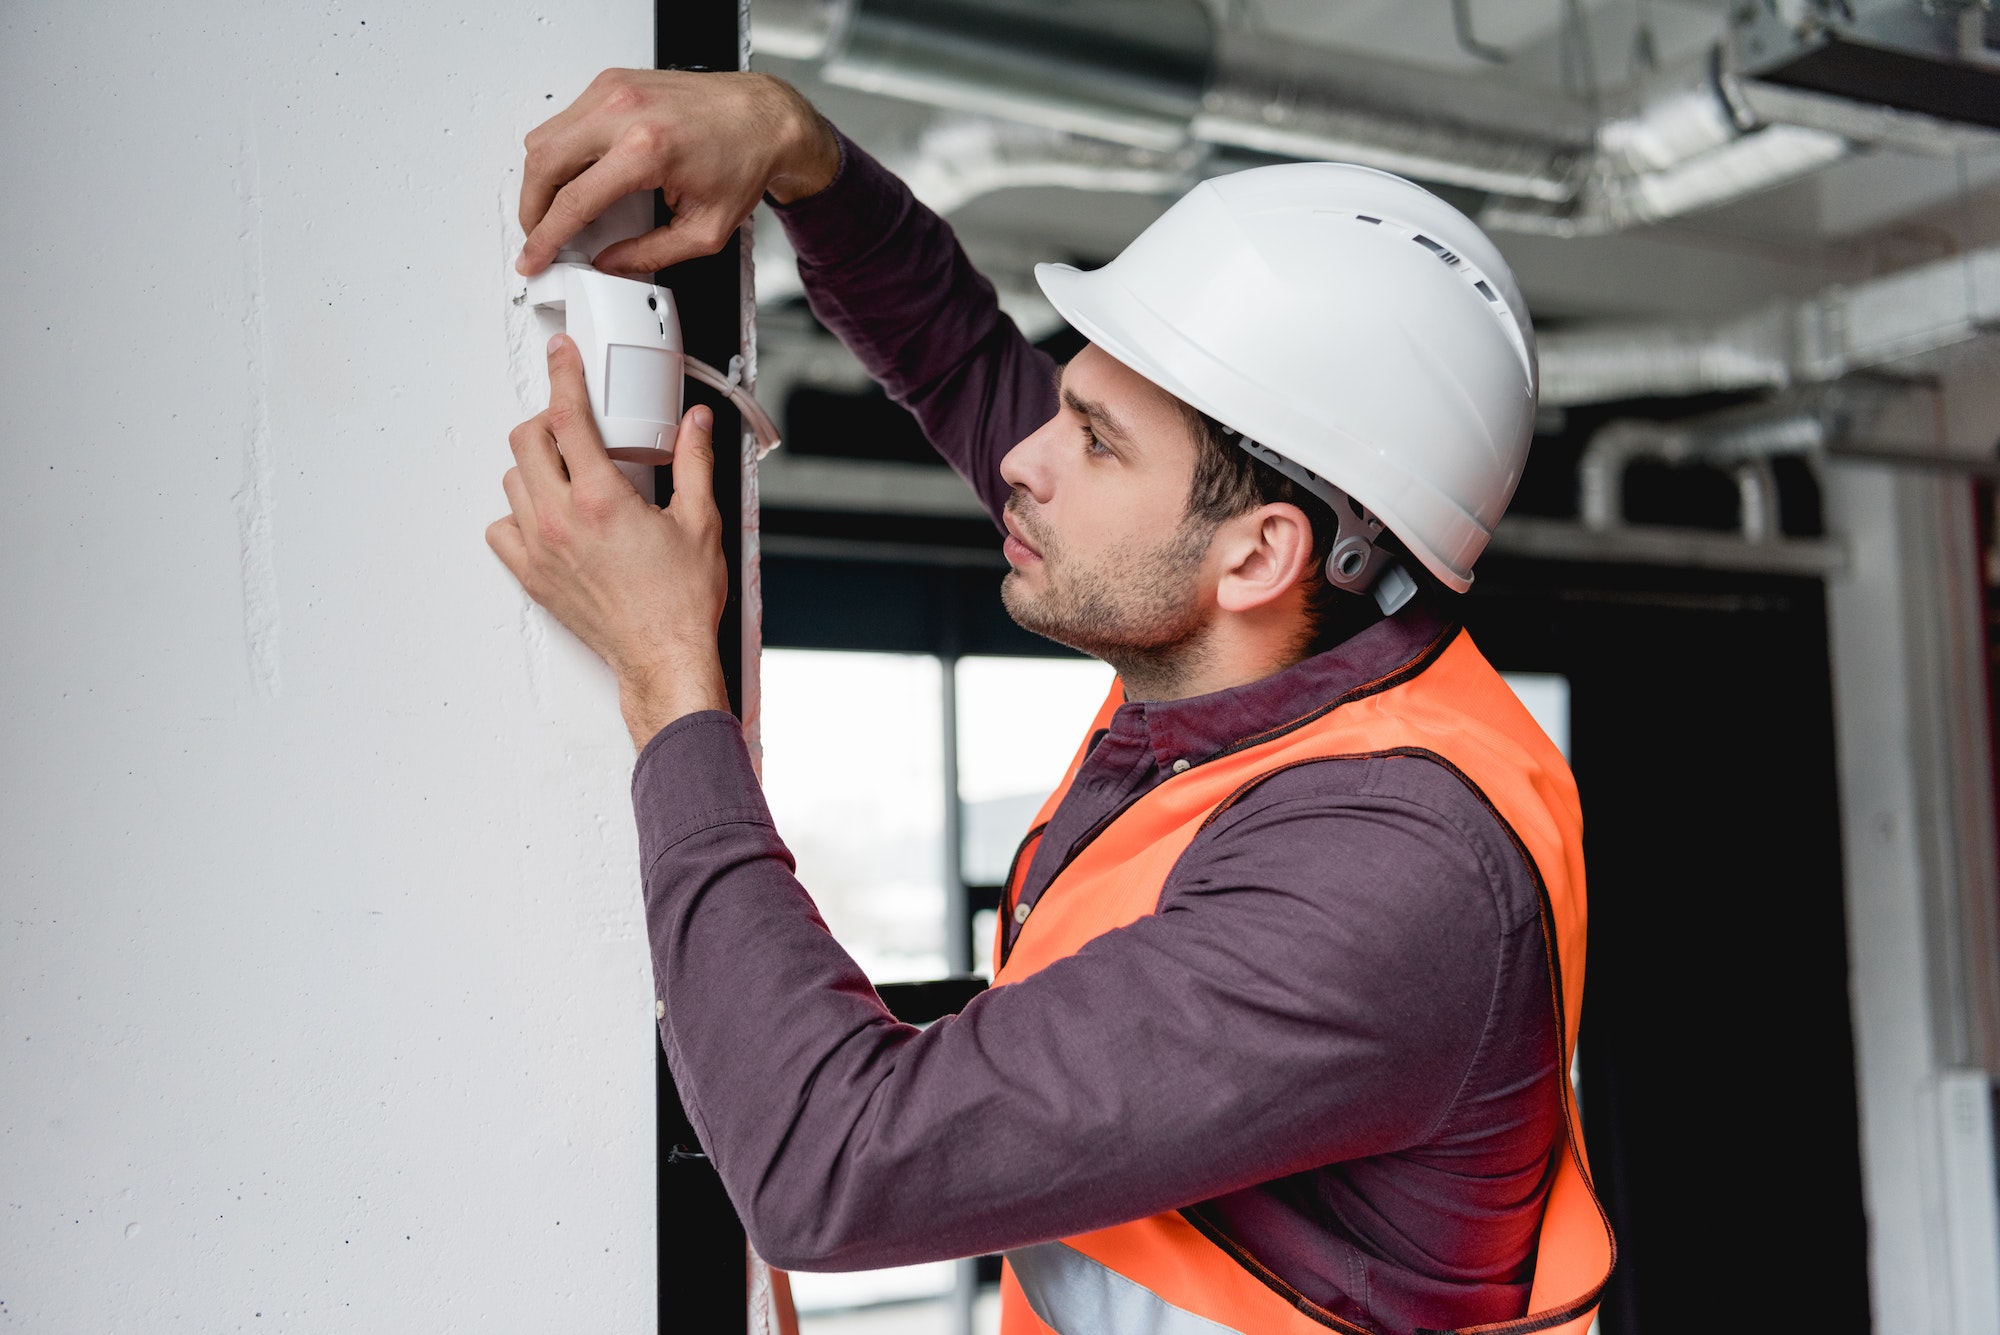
(643, 587)
(713, 143)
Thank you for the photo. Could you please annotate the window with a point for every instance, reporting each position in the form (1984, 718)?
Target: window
(854, 772)
(1546, 694)
(1020, 721)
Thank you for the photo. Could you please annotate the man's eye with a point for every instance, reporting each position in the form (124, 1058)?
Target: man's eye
(1091, 444)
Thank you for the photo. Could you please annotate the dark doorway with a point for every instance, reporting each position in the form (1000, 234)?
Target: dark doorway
(1716, 1054)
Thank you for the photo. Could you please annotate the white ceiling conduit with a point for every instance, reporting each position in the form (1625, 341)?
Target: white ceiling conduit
(1157, 77)
(1826, 425)
(1842, 330)
(1742, 446)
(1291, 100)
(960, 158)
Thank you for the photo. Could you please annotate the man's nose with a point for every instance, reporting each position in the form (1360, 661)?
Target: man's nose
(1026, 466)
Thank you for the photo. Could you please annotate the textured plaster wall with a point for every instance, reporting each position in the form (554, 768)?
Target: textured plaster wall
(323, 994)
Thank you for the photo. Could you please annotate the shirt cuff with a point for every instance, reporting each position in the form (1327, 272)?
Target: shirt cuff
(693, 775)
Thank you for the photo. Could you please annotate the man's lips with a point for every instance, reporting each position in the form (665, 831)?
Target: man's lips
(1017, 549)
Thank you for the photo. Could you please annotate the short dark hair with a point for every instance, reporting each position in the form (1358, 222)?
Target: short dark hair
(1229, 480)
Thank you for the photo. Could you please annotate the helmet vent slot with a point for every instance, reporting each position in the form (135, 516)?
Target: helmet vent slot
(1436, 248)
(1469, 273)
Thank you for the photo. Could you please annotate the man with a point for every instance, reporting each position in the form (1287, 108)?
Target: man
(1290, 965)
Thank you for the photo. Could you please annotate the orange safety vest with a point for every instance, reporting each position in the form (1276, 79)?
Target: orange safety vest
(1164, 1275)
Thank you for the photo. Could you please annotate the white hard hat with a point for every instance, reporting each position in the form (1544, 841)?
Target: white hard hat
(1347, 321)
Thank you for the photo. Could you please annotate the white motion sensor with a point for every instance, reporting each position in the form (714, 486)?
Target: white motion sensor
(629, 334)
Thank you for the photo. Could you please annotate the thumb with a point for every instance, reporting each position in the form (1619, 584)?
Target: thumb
(694, 458)
(569, 407)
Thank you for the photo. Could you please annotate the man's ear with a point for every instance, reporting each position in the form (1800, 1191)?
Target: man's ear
(1265, 552)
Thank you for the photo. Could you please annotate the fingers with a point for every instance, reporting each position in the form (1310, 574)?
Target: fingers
(548, 166)
(518, 499)
(569, 412)
(572, 139)
(623, 171)
(557, 150)
(694, 459)
(690, 235)
(543, 176)
(504, 536)
(540, 463)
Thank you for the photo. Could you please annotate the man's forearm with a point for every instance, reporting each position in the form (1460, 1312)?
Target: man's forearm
(887, 275)
(652, 700)
(812, 156)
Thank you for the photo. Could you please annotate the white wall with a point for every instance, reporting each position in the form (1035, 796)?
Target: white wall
(323, 994)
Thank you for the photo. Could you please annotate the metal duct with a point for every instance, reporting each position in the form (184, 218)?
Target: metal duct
(1156, 75)
(1862, 122)
(958, 159)
(1923, 56)
(1131, 71)
(1304, 102)
(1758, 160)
(1841, 330)
(797, 29)
(1686, 140)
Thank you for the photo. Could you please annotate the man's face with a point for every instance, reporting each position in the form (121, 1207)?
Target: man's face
(1104, 557)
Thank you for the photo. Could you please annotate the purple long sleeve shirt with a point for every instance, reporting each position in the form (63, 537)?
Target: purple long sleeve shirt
(1333, 1041)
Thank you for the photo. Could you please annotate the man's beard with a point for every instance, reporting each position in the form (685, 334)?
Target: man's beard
(1136, 609)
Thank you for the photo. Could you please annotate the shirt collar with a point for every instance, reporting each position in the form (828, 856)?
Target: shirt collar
(1201, 726)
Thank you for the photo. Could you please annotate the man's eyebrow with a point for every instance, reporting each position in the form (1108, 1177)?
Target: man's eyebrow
(1107, 424)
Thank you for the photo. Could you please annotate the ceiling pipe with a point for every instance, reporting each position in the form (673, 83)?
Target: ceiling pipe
(1294, 101)
(1743, 449)
(1687, 139)
(960, 158)
(1897, 319)
(1862, 122)
(1111, 69)
(1827, 424)
(1468, 41)
(797, 29)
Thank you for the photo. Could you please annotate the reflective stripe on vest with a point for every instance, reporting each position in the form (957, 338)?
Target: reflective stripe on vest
(1169, 1274)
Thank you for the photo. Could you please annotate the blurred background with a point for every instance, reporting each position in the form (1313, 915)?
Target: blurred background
(325, 1002)
(1758, 240)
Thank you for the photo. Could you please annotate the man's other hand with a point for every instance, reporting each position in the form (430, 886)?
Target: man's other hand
(643, 587)
(713, 143)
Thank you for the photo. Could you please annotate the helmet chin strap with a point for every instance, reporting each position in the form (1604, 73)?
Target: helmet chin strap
(1354, 562)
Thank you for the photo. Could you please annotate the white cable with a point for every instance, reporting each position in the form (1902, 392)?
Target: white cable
(731, 385)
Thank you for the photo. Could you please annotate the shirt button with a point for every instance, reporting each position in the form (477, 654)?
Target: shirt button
(1181, 765)
(659, 1010)
(1021, 912)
